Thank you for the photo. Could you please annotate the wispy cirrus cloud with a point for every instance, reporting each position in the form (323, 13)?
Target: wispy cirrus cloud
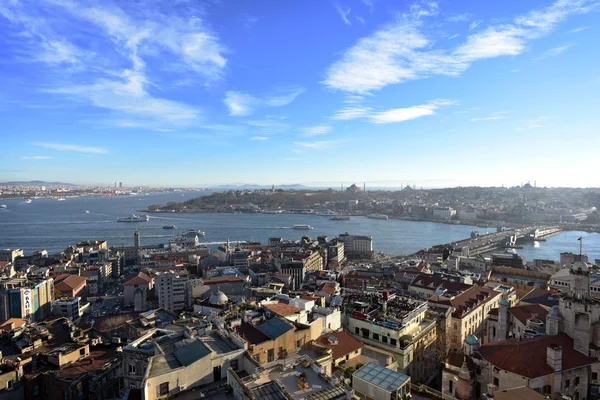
(242, 104)
(581, 28)
(117, 78)
(495, 116)
(402, 51)
(259, 138)
(316, 130)
(319, 145)
(349, 113)
(459, 17)
(37, 157)
(531, 124)
(71, 147)
(553, 52)
(344, 13)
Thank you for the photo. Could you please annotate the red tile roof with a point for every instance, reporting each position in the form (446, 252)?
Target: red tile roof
(466, 301)
(525, 312)
(139, 279)
(346, 344)
(432, 283)
(281, 309)
(66, 283)
(527, 357)
(327, 288)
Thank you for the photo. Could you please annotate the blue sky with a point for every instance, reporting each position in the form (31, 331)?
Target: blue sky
(320, 92)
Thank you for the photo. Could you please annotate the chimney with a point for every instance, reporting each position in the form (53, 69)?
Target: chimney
(554, 356)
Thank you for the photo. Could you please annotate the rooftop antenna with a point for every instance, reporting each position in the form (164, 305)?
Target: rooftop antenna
(364, 186)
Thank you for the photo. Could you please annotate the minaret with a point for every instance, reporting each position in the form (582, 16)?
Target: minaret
(227, 248)
(364, 186)
(464, 381)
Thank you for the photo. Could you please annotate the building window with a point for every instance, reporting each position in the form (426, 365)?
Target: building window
(567, 383)
(163, 389)
(357, 330)
(576, 380)
(393, 341)
(594, 376)
(132, 368)
(450, 386)
(384, 339)
(375, 336)
(298, 344)
(496, 382)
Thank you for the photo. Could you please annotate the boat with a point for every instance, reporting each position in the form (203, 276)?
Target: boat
(134, 218)
(28, 201)
(193, 232)
(302, 227)
(2, 205)
(327, 213)
(61, 199)
(169, 227)
(340, 218)
(87, 211)
(377, 216)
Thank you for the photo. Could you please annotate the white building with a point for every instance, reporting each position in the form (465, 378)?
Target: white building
(172, 290)
(71, 308)
(443, 213)
(356, 243)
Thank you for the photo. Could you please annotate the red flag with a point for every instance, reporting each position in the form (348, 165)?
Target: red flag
(579, 237)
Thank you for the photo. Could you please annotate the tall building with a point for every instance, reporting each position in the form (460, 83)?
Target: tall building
(28, 300)
(136, 239)
(120, 185)
(172, 290)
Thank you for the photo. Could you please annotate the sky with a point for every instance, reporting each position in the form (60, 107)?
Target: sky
(193, 93)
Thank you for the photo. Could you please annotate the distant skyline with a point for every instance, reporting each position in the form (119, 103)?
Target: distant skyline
(437, 94)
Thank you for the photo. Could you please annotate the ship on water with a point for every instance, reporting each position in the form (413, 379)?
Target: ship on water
(61, 199)
(135, 218)
(340, 218)
(193, 232)
(169, 227)
(28, 201)
(3, 206)
(377, 216)
(302, 227)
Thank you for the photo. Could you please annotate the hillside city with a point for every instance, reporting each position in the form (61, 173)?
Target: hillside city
(310, 319)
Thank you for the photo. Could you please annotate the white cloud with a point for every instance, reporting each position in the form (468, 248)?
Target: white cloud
(582, 28)
(401, 114)
(475, 24)
(268, 126)
(535, 123)
(316, 130)
(495, 116)
(71, 147)
(408, 113)
(401, 51)
(351, 113)
(343, 14)
(243, 104)
(325, 144)
(459, 17)
(359, 19)
(37, 157)
(556, 51)
(260, 138)
(453, 36)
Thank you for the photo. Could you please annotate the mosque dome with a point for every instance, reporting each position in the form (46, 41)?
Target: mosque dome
(504, 302)
(472, 340)
(218, 298)
(579, 266)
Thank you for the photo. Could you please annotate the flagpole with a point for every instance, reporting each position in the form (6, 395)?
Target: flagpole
(580, 247)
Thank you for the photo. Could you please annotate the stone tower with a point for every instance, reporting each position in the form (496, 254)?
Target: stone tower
(553, 321)
(503, 307)
(136, 240)
(464, 381)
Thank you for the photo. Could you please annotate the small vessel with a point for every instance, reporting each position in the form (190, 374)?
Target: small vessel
(193, 232)
(28, 201)
(302, 227)
(61, 199)
(87, 211)
(340, 218)
(2, 205)
(377, 216)
(134, 218)
(169, 227)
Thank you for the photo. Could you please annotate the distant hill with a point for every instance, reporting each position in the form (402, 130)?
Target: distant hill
(254, 187)
(35, 183)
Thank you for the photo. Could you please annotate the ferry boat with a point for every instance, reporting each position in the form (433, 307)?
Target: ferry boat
(302, 227)
(2, 205)
(135, 218)
(28, 201)
(61, 199)
(169, 227)
(340, 218)
(377, 216)
(193, 232)
(87, 211)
